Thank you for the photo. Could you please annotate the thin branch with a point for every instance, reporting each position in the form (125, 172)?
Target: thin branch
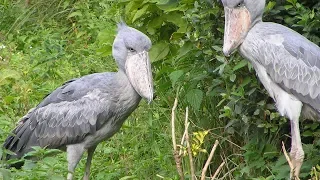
(27, 3)
(188, 146)
(287, 157)
(289, 161)
(174, 142)
(218, 170)
(204, 170)
(176, 155)
(183, 137)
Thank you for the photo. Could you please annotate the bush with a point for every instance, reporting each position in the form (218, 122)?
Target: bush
(60, 40)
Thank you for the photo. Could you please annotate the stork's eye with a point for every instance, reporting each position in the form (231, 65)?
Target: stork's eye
(240, 4)
(131, 49)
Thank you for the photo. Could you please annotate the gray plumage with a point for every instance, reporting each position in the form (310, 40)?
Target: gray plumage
(287, 64)
(290, 59)
(85, 111)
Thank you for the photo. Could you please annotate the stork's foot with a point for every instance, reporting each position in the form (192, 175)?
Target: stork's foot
(297, 157)
(296, 171)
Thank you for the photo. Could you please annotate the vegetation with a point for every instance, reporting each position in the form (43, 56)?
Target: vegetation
(44, 43)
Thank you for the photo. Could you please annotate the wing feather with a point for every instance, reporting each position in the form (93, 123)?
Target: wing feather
(71, 112)
(291, 61)
(73, 119)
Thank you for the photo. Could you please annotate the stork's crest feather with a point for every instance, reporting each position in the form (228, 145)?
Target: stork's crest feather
(121, 25)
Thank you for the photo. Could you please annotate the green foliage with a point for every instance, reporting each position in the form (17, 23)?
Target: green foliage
(46, 43)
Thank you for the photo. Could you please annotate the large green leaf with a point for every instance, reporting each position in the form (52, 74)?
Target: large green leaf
(74, 14)
(176, 18)
(175, 75)
(185, 49)
(194, 98)
(167, 5)
(159, 51)
(240, 65)
(105, 39)
(5, 173)
(140, 13)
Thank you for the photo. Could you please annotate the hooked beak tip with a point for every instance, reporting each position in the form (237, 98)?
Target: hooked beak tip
(226, 52)
(149, 100)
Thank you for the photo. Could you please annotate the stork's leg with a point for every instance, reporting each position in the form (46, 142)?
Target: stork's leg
(296, 153)
(88, 163)
(74, 154)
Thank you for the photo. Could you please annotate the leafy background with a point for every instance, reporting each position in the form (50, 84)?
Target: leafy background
(44, 43)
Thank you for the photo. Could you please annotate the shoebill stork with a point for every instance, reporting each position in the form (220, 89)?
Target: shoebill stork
(287, 64)
(81, 113)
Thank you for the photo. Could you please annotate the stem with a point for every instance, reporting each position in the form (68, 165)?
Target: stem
(204, 170)
(177, 157)
(188, 146)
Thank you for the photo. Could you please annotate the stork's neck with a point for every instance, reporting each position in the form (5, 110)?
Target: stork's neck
(256, 21)
(121, 65)
(124, 83)
(122, 77)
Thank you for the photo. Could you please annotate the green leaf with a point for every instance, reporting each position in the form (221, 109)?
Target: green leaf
(307, 133)
(127, 177)
(73, 14)
(187, 47)
(174, 76)
(287, 7)
(56, 177)
(131, 8)
(240, 65)
(233, 77)
(167, 5)
(155, 24)
(28, 165)
(176, 18)
(194, 98)
(159, 51)
(105, 40)
(5, 173)
(8, 74)
(140, 13)
(221, 59)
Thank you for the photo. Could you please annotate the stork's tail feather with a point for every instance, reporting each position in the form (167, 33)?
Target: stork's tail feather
(17, 143)
(8, 156)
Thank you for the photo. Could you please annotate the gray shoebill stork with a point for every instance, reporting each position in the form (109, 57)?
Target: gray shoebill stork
(83, 112)
(287, 64)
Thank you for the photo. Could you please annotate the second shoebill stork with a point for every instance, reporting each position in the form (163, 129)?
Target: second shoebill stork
(287, 64)
(81, 113)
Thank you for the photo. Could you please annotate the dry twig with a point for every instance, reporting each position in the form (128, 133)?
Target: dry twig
(176, 155)
(289, 161)
(204, 170)
(188, 146)
(218, 170)
(27, 2)
(184, 137)
(174, 142)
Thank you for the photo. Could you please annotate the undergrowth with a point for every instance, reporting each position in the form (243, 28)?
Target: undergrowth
(45, 43)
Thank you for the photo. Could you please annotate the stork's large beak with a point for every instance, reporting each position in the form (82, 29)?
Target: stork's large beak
(237, 25)
(138, 70)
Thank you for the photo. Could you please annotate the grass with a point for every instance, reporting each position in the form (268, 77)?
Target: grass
(47, 43)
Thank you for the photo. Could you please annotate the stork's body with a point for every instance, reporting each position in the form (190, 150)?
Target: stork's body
(83, 112)
(287, 64)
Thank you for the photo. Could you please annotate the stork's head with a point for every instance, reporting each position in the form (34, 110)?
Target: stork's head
(130, 50)
(240, 17)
